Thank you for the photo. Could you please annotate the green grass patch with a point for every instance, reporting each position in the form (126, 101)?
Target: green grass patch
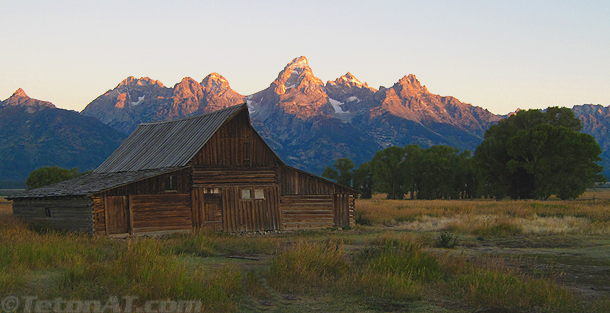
(308, 267)
(140, 269)
(503, 289)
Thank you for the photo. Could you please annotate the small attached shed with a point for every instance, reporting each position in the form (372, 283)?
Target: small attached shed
(212, 171)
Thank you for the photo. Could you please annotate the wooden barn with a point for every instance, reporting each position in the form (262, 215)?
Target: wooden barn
(212, 171)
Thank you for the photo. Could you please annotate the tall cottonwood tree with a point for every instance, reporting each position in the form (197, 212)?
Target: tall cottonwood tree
(342, 173)
(536, 154)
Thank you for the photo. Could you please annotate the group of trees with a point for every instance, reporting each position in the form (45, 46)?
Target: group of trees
(530, 155)
(439, 172)
(50, 175)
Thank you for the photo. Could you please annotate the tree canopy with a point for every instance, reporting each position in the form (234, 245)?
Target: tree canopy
(535, 154)
(343, 172)
(50, 175)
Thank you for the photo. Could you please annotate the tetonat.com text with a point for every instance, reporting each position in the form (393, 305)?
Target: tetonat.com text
(114, 304)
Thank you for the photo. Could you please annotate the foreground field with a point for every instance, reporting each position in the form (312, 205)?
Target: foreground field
(416, 256)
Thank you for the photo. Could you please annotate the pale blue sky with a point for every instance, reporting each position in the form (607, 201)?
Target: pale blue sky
(500, 55)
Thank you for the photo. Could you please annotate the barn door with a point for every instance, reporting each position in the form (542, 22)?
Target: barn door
(117, 215)
(207, 208)
(213, 211)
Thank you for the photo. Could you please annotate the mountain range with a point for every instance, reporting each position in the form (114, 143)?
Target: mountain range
(35, 134)
(310, 123)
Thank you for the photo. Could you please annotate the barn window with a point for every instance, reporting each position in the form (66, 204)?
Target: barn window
(259, 194)
(246, 194)
(47, 212)
(170, 183)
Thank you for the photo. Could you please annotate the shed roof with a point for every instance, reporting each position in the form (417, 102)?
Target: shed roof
(89, 184)
(166, 144)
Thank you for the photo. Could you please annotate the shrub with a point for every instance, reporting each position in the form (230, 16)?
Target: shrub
(446, 240)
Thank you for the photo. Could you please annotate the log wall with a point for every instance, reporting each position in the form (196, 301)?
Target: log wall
(307, 211)
(219, 177)
(154, 185)
(296, 182)
(99, 216)
(71, 214)
(160, 213)
(352, 208)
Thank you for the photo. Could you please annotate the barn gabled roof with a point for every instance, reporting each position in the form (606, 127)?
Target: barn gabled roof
(166, 144)
(89, 184)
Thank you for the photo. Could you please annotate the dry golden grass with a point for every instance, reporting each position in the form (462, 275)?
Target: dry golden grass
(6, 206)
(589, 214)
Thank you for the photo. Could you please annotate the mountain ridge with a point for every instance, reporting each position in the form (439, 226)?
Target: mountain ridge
(298, 113)
(35, 133)
(309, 123)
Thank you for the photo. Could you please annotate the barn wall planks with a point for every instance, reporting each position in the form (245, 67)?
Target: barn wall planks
(162, 212)
(117, 215)
(154, 185)
(250, 214)
(296, 182)
(72, 214)
(236, 143)
(307, 211)
(226, 177)
(352, 208)
(98, 212)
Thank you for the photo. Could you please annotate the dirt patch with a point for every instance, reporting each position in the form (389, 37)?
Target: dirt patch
(581, 263)
(536, 242)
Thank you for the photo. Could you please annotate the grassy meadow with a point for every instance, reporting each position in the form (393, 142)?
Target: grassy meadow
(415, 256)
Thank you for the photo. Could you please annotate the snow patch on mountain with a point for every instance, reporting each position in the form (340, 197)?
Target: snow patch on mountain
(140, 99)
(337, 106)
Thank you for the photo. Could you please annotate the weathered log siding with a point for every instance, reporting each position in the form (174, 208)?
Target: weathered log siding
(207, 177)
(341, 210)
(154, 185)
(296, 182)
(307, 211)
(99, 217)
(160, 213)
(352, 208)
(236, 143)
(72, 214)
(312, 202)
(117, 215)
(151, 186)
(251, 214)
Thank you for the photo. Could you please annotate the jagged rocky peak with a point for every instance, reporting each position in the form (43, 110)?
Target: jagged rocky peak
(215, 82)
(296, 75)
(188, 87)
(348, 90)
(349, 80)
(409, 85)
(298, 63)
(20, 98)
(142, 81)
(19, 93)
